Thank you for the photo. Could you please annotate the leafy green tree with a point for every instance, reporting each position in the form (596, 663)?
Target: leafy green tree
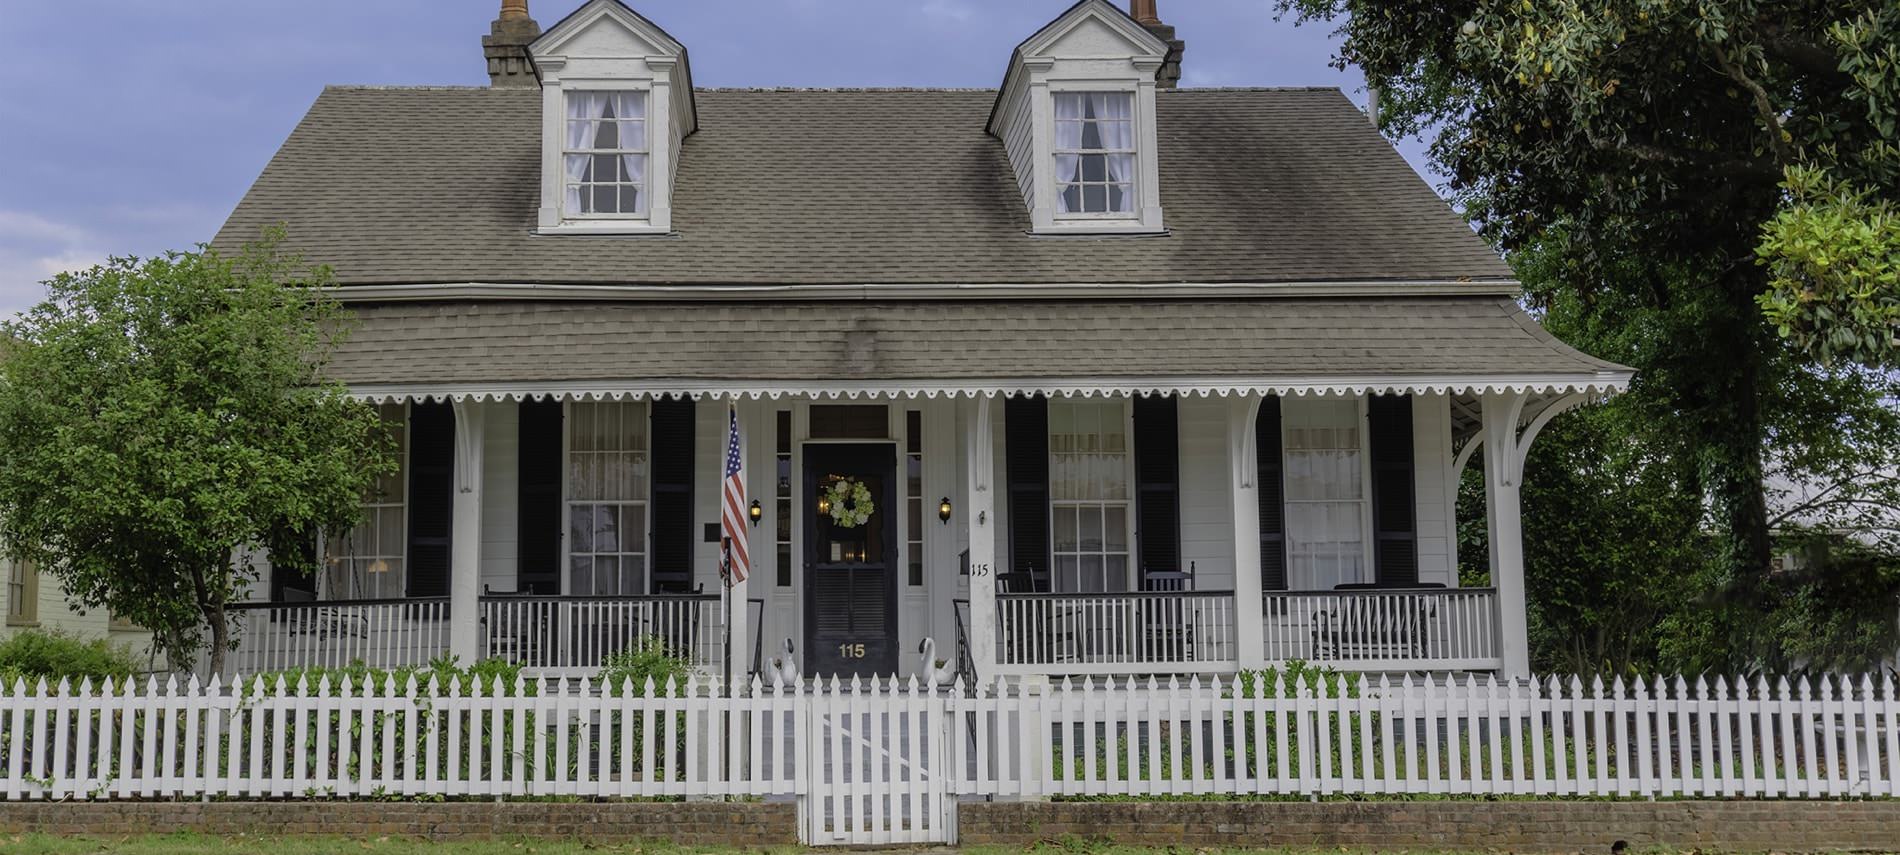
(1622, 568)
(161, 419)
(1685, 169)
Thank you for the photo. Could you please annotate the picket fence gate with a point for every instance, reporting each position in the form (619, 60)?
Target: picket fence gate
(886, 761)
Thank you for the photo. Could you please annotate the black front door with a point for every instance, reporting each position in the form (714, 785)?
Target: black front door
(850, 560)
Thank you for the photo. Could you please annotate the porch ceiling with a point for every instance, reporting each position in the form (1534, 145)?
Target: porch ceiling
(1284, 346)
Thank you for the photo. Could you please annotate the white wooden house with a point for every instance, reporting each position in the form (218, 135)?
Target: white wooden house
(1138, 378)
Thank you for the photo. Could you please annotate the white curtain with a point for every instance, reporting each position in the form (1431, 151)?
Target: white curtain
(1070, 109)
(583, 122)
(588, 114)
(1325, 493)
(1088, 452)
(1114, 119)
(630, 113)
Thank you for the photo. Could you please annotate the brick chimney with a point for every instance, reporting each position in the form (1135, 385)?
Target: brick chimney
(1144, 13)
(506, 47)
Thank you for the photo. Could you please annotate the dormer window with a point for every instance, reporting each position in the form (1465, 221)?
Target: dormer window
(616, 104)
(605, 157)
(1076, 116)
(1095, 154)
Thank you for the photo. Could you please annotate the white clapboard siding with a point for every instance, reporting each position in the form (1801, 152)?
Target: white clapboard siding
(882, 761)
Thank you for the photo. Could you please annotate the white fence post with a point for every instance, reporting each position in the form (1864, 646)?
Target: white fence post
(883, 762)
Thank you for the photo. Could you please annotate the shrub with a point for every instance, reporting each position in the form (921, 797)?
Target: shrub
(34, 654)
(445, 670)
(648, 658)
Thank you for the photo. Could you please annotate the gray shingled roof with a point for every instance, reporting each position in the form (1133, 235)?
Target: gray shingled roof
(850, 187)
(519, 344)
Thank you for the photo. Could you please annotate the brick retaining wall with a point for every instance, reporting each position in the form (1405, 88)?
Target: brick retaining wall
(686, 823)
(1546, 826)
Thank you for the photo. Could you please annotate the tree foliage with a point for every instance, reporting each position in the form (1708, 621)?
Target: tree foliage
(1623, 568)
(1689, 176)
(161, 419)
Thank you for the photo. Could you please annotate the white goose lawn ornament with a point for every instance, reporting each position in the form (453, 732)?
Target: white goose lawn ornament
(782, 670)
(934, 671)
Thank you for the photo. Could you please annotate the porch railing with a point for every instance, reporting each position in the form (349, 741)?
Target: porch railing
(1161, 631)
(577, 634)
(378, 633)
(1437, 629)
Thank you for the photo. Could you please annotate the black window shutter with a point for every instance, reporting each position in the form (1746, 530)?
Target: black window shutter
(1394, 511)
(1158, 483)
(431, 497)
(1269, 479)
(538, 467)
(671, 540)
(1026, 461)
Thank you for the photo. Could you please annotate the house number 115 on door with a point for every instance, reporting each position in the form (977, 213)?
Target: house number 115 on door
(851, 651)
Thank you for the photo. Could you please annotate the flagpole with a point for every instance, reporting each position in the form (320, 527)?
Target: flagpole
(725, 603)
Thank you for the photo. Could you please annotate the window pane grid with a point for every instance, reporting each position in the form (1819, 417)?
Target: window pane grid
(22, 594)
(1094, 153)
(1089, 500)
(604, 157)
(914, 493)
(369, 561)
(608, 477)
(1325, 494)
(783, 494)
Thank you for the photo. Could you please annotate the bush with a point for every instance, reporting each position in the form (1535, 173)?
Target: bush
(648, 658)
(445, 670)
(34, 654)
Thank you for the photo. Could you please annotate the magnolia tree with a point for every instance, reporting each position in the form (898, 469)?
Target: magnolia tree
(164, 420)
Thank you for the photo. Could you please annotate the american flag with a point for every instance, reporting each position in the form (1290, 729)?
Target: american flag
(732, 519)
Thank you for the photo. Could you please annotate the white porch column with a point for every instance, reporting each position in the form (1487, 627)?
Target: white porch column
(979, 451)
(1503, 472)
(738, 652)
(465, 542)
(1249, 617)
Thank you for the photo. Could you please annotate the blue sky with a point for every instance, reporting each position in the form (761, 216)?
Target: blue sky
(134, 126)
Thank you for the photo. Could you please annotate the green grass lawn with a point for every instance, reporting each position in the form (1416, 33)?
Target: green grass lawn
(191, 844)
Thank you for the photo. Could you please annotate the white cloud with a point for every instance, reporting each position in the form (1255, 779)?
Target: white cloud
(950, 11)
(33, 249)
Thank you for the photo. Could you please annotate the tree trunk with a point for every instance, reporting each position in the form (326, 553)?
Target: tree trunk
(220, 636)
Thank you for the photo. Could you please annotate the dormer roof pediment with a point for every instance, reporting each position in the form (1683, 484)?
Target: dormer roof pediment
(1093, 29)
(606, 28)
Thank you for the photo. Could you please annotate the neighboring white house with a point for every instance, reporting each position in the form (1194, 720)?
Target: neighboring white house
(31, 601)
(1135, 378)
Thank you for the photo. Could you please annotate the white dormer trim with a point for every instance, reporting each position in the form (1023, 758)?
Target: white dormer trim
(605, 46)
(1093, 47)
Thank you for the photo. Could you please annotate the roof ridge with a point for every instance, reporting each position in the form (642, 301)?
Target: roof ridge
(983, 89)
(380, 87)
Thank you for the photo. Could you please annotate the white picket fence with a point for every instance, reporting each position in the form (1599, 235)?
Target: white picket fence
(884, 761)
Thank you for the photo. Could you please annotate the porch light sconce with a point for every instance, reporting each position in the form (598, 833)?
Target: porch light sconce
(943, 510)
(755, 512)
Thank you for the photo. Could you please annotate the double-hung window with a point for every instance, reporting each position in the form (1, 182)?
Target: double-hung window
(1088, 495)
(604, 158)
(23, 593)
(1326, 510)
(608, 479)
(1095, 154)
(367, 561)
